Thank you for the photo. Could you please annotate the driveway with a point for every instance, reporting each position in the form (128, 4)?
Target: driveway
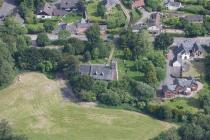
(169, 70)
(145, 16)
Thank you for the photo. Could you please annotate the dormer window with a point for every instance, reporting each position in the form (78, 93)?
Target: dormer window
(102, 73)
(95, 73)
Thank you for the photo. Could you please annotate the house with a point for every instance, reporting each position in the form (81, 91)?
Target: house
(185, 85)
(154, 23)
(137, 4)
(68, 4)
(167, 1)
(173, 5)
(188, 50)
(49, 10)
(100, 71)
(181, 86)
(169, 91)
(194, 18)
(109, 4)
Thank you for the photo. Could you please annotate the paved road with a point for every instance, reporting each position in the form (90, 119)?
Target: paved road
(169, 69)
(145, 16)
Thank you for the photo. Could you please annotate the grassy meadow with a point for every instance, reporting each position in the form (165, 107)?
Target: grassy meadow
(34, 106)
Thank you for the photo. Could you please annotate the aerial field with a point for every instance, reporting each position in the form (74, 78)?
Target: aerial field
(34, 106)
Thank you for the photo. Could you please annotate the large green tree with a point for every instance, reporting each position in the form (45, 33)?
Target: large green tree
(163, 41)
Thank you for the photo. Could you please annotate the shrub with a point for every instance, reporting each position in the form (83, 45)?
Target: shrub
(35, 28)
(42, 40)
(110, 98)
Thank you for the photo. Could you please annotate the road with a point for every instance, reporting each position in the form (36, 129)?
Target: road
(145, 16)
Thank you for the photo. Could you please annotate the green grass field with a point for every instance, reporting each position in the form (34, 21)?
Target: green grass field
(91, 10)
(72, 17)
(34, 106)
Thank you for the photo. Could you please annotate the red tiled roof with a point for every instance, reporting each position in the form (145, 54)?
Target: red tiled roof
(138, 3)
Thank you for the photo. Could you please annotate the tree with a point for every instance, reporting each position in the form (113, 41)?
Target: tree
(64, 34)
(191, 132)
(87, 96)
(33, 58)
(150, 76)
(110, 98)
(21, 42)
(49, 26)
(69, 65)
(142, 91)
(170, 134)
(87, 56)
(101, 9)
(143, 44)
(6, 72)
(81, 82)
(45, 66)
(194, 30)
(78, 45)
(155, 5)
(204, 100)
(93, 36)
(9, 33)
(69, 49)
(42, 40)
(163, 41)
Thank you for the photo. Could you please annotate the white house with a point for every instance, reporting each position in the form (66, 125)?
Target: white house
(173, 5)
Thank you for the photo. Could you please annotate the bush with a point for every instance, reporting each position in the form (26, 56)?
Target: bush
(110, 98)
(42, 40)
(194, 30)
(87, 96)
(35, 28)
(49, 26)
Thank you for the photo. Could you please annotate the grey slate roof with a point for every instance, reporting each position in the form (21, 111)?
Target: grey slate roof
(174, 4)
(187, 46)
(98, 71)
(169, 87)
(48, 9)
(68, 4)
(52, 10)
(111, 3)
(84, 25)
(194, 18)
(185, 82)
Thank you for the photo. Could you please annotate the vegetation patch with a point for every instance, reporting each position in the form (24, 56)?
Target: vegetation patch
(72, 17)
(48, 116)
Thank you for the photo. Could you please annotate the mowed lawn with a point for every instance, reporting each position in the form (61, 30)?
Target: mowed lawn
(34, 106)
